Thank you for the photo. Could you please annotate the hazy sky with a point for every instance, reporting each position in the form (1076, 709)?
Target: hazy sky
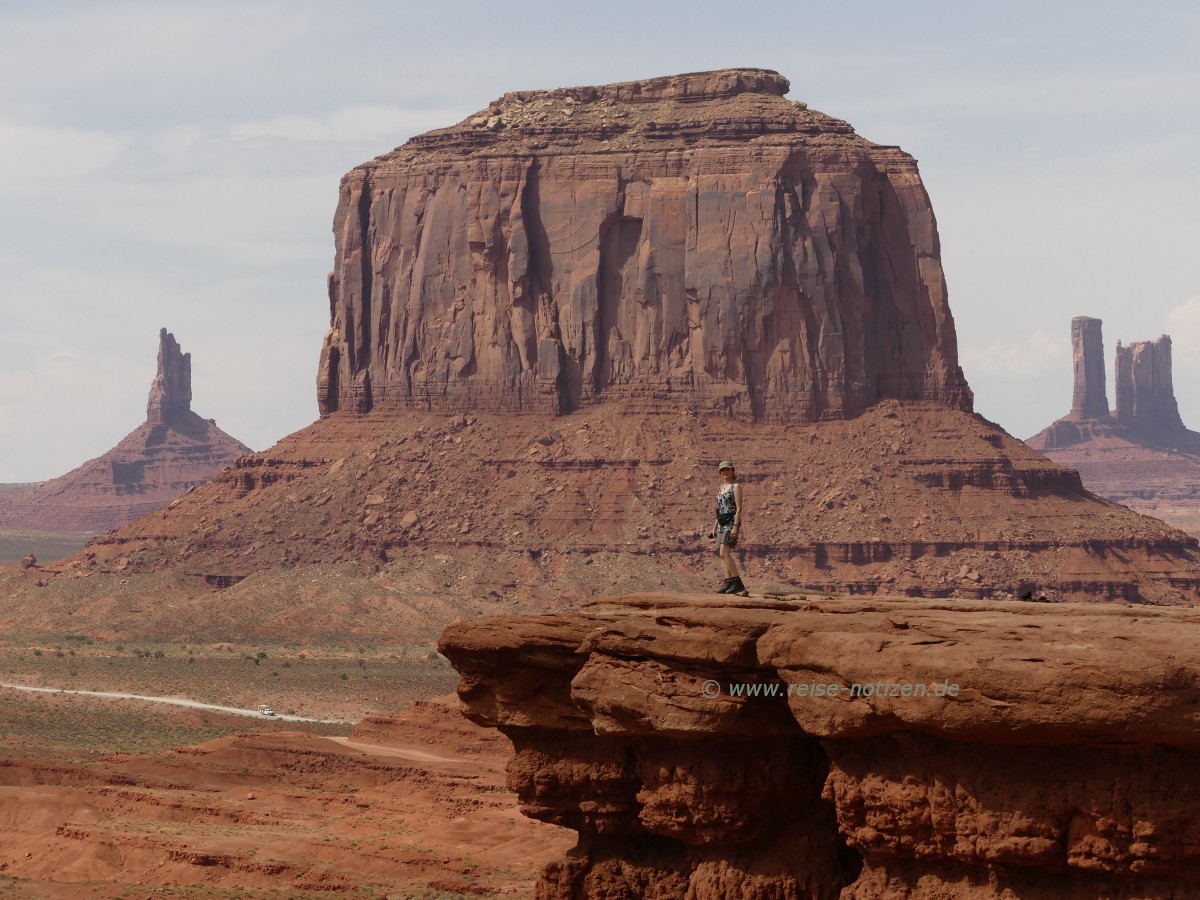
(176, 164)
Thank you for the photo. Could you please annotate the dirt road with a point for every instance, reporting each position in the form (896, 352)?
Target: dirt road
(173, 701)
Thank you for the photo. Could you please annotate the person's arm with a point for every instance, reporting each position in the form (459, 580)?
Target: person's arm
(737, 506)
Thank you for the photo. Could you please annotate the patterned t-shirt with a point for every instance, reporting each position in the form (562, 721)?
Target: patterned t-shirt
(726, 505)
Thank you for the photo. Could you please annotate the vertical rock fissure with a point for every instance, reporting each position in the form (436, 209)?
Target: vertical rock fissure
(366, 267)
(619, 238)
(539, 287)
(332, 380)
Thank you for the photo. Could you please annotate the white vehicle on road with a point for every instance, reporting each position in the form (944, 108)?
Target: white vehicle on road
(266, 711)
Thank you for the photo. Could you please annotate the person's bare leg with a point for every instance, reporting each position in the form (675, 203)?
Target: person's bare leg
(730, 561)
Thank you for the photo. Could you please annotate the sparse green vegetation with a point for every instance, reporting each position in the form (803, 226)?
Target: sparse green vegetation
(56, 721)
(313, 681)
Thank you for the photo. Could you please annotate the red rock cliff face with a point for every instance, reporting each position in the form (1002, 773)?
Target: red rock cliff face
(684, 739)
(696, 239)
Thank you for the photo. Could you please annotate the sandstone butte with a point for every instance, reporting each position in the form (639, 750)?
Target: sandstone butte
(170, 453)
(1140, 454)
(1062, 767)
(548, 323)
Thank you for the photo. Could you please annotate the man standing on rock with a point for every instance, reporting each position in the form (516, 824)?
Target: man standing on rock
(729, 520)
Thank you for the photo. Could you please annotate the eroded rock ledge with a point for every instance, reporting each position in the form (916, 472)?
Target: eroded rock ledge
(1063, 768)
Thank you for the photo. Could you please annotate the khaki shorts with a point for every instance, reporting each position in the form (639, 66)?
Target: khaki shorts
(723, 535)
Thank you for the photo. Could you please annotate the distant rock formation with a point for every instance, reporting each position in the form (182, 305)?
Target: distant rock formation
(694, 240)
(656, 275)
(1090, 400)
(1145, 393)
(173, 451)
(1144, 456)
(827, 748)
(1146, 412)
(170, 400)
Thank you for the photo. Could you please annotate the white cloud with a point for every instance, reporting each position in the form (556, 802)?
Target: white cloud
(142, 49)
(32, 155)
(1028, 359)
(247, 219)
(352, 123)
(71, 405)
(1040, 93)
(1183, 325)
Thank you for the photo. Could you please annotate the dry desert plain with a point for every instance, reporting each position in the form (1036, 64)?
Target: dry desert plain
(123, 798)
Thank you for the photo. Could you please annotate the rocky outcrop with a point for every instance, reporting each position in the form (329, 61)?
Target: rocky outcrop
(1090, 400)
(1146, 413)
(833, 747)
(1145, 393)
(695, 269)
(173, 451)
(532, 509)
(170, 398)
(1144, 456)
(695, 240)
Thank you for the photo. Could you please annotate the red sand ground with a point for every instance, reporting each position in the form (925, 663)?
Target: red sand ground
(413, 806)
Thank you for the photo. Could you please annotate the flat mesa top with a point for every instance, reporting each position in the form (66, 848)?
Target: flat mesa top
(720, 108)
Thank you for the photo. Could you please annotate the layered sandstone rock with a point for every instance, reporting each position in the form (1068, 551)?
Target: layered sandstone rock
(696, 240)
(173, 451)
(528, 509)
(833, 747)
(1144, 456)
(660, 275)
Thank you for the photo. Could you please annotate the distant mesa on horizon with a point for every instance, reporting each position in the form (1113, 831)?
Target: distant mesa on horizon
(170, 453)
(1140, 454)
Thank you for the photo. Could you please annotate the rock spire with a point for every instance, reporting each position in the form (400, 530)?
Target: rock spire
(171, 391)
(1090, 400)
(171, 452)
(1142, 456)
(1146, 408)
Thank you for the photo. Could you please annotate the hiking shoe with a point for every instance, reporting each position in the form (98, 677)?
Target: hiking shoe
(727, 586)
(737, 587)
